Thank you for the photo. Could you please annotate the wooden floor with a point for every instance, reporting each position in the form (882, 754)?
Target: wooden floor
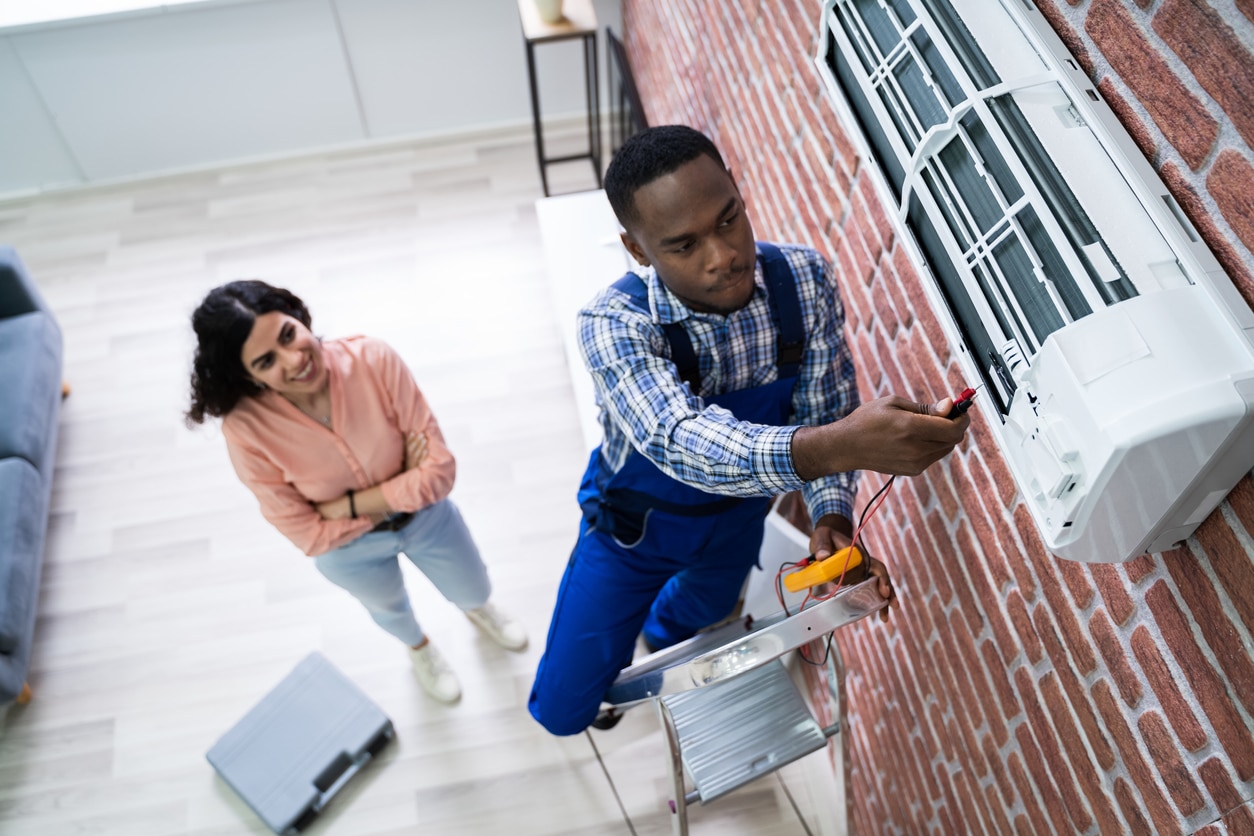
(169, 607)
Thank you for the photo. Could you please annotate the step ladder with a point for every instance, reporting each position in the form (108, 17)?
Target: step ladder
(729, 710)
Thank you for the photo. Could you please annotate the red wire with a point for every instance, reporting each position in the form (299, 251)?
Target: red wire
(866, 517)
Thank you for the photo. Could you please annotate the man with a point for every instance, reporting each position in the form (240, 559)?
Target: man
(723, 379)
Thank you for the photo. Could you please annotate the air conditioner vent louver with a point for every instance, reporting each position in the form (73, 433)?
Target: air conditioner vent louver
(1037, 220)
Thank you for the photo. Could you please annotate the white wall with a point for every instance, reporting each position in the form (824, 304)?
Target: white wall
(180, 87)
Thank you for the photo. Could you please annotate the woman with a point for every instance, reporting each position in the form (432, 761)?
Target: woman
(345, 458)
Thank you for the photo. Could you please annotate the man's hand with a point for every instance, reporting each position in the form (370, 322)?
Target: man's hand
(889, 435)
(415, 449)
(833, 533)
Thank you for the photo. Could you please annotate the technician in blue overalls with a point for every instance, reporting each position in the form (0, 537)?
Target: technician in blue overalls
(724, 379)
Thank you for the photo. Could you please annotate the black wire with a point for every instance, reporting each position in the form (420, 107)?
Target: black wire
(866, 510)
(827, 649)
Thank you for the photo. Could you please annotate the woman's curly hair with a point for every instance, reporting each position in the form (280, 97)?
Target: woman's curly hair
(222, 324)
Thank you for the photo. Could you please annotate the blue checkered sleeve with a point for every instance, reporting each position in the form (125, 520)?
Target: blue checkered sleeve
(826, 389)
(645, 405)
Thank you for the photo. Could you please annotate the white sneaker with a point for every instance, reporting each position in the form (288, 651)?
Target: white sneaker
(501, 628)
(434, 674)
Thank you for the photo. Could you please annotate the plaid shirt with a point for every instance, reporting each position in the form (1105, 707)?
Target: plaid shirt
(644, 405)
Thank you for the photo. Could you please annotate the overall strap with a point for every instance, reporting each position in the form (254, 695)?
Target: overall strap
(682, 353)
(790, 340)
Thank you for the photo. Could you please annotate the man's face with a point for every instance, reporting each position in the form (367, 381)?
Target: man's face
(693, 229)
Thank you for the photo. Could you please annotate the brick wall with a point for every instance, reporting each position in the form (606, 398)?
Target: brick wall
(1013, 692)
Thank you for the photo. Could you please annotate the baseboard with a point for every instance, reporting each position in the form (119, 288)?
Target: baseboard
(511, 131)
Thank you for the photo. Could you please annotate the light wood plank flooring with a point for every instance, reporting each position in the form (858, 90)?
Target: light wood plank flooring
(169, 607)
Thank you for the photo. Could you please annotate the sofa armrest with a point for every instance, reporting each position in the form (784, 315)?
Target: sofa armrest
(18, 294)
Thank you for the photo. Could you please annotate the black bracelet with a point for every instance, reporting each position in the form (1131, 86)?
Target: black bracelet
(352, 506)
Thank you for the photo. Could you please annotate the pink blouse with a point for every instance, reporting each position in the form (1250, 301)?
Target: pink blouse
(291, 462)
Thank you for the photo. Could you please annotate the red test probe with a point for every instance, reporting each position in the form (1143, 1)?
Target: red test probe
(962, 402)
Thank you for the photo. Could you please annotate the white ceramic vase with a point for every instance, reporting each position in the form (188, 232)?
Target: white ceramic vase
(550, 10)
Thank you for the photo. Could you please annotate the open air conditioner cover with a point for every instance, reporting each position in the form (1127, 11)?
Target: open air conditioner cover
(1116, 356)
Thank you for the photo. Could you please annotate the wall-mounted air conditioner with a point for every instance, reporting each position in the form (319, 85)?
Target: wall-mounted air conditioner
(1116, 355)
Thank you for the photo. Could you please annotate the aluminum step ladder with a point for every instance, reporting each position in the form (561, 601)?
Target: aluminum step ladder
(728, 708)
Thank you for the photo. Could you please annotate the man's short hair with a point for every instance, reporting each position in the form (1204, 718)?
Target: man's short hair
(648, 155)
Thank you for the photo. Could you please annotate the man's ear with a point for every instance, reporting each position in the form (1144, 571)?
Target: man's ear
(637, 252)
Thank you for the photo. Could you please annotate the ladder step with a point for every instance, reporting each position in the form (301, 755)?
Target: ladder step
(736, 731)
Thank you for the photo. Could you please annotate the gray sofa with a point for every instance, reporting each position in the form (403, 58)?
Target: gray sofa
(30, 406)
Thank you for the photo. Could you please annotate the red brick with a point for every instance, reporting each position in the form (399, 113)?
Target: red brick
(1083, 711)
(1247, 8)
(1162, 747)
(883, 307)
(926, 317)
(1181, 117)
(937, 722)
(1027, 792)
(914, 492)
(863, 263)
(1231, 733)
(886, 351)
(923, 755)
(878, 214)
(998, 564)
(1140, 568)
(1007, 490)
(1070, 644)
(947, 823)
(960, 728)
(1161, 813)
(997, 810)
(1231, 563)
(1203, 602)
(1216, 56)
(1199, 213)
(938, 480)
(1052, 706)
(966, 664)
(931, 365)
(845, 155)
(1126, 796)
(1113, 590)
(1026, 630)
(1001, 778)
(1022, 825)
(939, 555)
(1231, 183)
(968, 600)
(900, 303)
(1223, 793)
(1239, 822)
(1156, 671)
(1116, 659)
(1041, 776)
(970, 800)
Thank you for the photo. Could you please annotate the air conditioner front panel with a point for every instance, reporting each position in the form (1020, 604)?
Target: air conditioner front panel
(1117, 358)
(1132, 407)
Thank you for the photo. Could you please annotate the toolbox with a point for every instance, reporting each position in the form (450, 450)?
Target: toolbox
(293, 751)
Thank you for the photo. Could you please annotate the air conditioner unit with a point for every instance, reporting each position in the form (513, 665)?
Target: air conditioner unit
(1116, 355)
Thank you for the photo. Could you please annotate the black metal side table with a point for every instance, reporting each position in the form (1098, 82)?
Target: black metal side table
(578, 21)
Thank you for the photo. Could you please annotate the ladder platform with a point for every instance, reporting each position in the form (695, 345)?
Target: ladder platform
(741, 729)
(739, 647)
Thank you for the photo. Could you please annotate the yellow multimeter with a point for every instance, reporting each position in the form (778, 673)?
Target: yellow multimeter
(823, 571)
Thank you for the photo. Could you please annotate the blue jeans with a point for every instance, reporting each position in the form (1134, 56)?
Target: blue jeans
(437, 541)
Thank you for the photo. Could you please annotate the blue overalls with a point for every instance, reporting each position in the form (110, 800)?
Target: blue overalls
(653, 552)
